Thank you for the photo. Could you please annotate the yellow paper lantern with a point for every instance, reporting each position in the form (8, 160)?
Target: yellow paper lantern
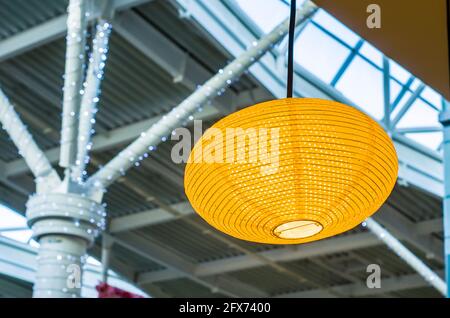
(321, 168)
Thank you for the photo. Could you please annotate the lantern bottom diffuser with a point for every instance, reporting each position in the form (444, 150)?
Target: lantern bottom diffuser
(291, 171)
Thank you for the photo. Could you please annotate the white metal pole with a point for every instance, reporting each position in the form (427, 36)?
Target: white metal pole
(18, 132)
(107, 243)
(65, 224)
(90, 98)
(155, 134)
(73, 78)
(399, 249)
(59, 267)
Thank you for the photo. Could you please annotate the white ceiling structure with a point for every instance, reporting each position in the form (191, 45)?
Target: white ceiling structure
(159, 52)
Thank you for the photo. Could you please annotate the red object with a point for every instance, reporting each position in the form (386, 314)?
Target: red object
(107, 291)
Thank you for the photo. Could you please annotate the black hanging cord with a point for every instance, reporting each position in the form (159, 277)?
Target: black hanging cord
(290, 74)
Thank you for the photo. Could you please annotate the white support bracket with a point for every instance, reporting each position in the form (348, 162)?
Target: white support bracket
(73, 79)
(19, 134)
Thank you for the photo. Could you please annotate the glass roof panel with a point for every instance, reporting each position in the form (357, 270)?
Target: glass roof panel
(266, 16)
(372, 53)
(402, 101)
(432, 97)
(338, 29)
(399, 72)
(420, 114)
(363, 84)
(319, 53)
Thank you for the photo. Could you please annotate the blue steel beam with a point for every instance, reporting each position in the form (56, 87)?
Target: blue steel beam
(387, 93)
(408, 104)
(348, 60)
(426, 129)
(444, 118)
(404, 89)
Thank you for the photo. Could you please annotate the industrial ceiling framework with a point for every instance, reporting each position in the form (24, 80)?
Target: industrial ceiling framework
(155, 61)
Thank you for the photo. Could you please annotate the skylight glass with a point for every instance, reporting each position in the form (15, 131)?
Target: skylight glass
(319, 53)
(267, 15)
(399, 72)
(328, 22)
(400, 104)
(372, 53)
(363, 84)
(419, 115)
(432, 97)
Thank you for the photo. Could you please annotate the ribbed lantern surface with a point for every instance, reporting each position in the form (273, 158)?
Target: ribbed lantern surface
(313, 168)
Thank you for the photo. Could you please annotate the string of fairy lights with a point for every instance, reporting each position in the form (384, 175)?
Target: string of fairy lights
(91, 96)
